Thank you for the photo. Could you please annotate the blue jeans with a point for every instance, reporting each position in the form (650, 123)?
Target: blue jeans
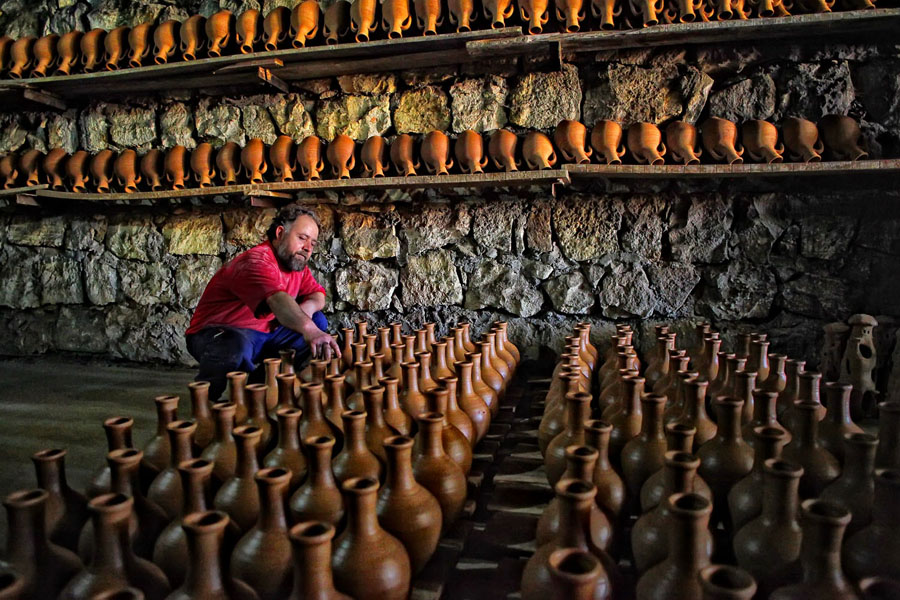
(221, 349)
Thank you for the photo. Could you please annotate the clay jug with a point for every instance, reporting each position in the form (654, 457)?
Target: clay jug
(203, 164)
(165, 41)
(222, 451)
(102, 170)
(537, 149)
(247, 31)
(645, 144)
(153, 169)
(116, 45)
(854, 488)
(823, 525)
(578, 409)
(888, 454)
(76, 171)
(93, 51)
(802, 140)
(262, 557)
(311, 545)
(745, 499)
(469, 150)
(580, 462)
(428, 16)
(336, 22)
(114, 565)
(30, 166)
(837, 422)
(177, 167)
(118, 436)
(170, 552)
(535, 14)
(218, 32)
(626, 422)
(679, 438)
(363, 19)
(575, 501)
(688, 548)
(66, 510)
(436, 153)
(683, 144)
(435, 470)
(644, 455)
(874, 550)
(502, 146)
(723, 582)
(471, 403)
(606, 139)
(126, 171)
(374, 158)
(44, 55)
(761, 141)
(139, 43)
(276, 27)
(192, 34)
(610, 487)
(820, 467)
(355, 459)
(166, 491)
(394, 415)
(841, 136)
(238, 496)
(720, 140)
(228, 163)
(396, 18)
(157, 450)
(318, 498)
(402, 152)
(571, 136)
(304, 23)
(777, 379)
(309, 157)
(44, 567)
(497, 11)
(201, 415)
(67, 49)
(253, 160)
(341, 155)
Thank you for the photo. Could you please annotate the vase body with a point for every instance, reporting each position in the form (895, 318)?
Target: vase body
(874, 550)
(318, 498)
(66, 510)
(222, 451)
(610, 487)
(238, 497)
(166, 491)
(745, 500)
(837, 422)
(287, 453)
(355, 459)
(578, 408)
(645, 454)
(436, 471)
(311, 547)
(157, 451)
(820, 467)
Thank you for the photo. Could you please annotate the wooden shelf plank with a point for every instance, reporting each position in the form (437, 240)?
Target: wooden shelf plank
(730, 171)
(23, 190)
(515, 178)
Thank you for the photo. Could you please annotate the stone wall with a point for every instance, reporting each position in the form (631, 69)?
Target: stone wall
(121, 281)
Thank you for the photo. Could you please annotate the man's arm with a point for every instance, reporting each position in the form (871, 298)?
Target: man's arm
(313, 303)
(296, 317)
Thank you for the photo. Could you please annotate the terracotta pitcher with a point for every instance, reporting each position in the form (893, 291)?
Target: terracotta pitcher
(336, 22)
(841, 136)
(682, 140)
(193, 36)
(45, 55)
(571, 139)
(537, 149)
(203, 164)
(720, 140)
(502, 149)
(363, 19)
(605, 11)
(395, 18)
(761, 141)
(648, 10)
(428, 16)
(497, 11)
(318, 498)
(802, 140)
(153, 169)
(402, 155)
(247, 31)
(606, 139)
(126, 171)
(177, 167)
(165, 41)
(228, 163)
(276, 27)
(304, 23)
(313, 577)
(218, 32)
(30, 166)
(281, 155)
(462, 13)
(570, 12)
(140, 43)
(116, 44)
(341, 154)
(102, 170)
(374, 157)
(535, 14)
(21, 56)
(93, 51)
(469, 150)
(645, 143)
(684, 11)
(77, 171)
(9, 170)
(436, 153)
(309, 157)
(253, 160)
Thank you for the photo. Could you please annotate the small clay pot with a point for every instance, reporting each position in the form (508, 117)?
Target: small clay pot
(571, 139)
(761, 141)
(218, 32)
(336, 22)
(682, 140)
(54, 165)
(67, 50)
(497, 11)
(102, 170)
(502, 150)
(436, 153)
(395, 18)
(645, 143)
(228, 163)
(139, 42)
(44, 55)
(802, 140)
(93, 50)
(77, 171)
(309, 157)
(720, 140)
(535, 14)
(203, 165)
(537, 149)
(177, 167)
(165, 41)
(193, 36)
(606, 139)
(304, 23)
(9, 170)
(126, 170)
(571, 13)
(30, 165)
(253, 160)
(462, 13)
(374, 157)
(341, 154)
(247, 32)
(21, 56)
(276, 27)
(281, 155)
(428, 16)
(469, 150)
(116, 44)
(362, 18)
(648, 10)
(605, 10)
(841, 136)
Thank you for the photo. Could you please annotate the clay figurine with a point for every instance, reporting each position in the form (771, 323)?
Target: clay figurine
(126, 170)
(341, 154)
(304, 23)
(228, 163)
(67, 50)
(535, 13)
(193, 36)
(218, 32)
(139, 43)
(682, 140)
(720, 140)
(281, 155)
(436, 153)
(374, 157)
(502, 149)
(102, 170)
(802, 139)
(247, 30)
(538, 151)
(645, 143)
(858, 363)
(165, 40)
(116, 44)
(276, 27)
(336, 22)
(469, 152)
(93, 50)
(309, 157)
(571, 139)
(362, 18)
(606, 139)
(402, 153)
(761, 141)
(497, 11)
(841, 136)
(44, 54)
(177, 167)
(203, 165)
(253, 160)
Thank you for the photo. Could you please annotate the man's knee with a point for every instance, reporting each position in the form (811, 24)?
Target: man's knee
(320, 320)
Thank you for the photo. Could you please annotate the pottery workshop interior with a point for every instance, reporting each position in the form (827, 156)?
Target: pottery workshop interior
(449, 299)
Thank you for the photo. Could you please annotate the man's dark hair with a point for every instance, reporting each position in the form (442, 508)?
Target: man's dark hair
(287, 215)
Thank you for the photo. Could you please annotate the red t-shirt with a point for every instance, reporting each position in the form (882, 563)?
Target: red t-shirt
(236, 294)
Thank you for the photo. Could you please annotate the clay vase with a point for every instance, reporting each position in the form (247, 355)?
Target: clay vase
(575, 501)
(166, 490)
(679, 439)
(126, 171)
(580, 461)
(626, 421)
(841, 136)
(376, 428)
(455, 443)
(93, 50)
(287, 454)
(874, 549)
(644, 455)
(9, 171)
(66, 510)
(571, 13)
(694, 411)
(723, 582)
(177, 167)
(203, 165)
(114, 565)
(650, 535)
(428, 16)
(682, 140)
(335, 404)
(462, 13)
(281, 155)
(577, 407)
(276, 27)
(792, 370)
(837, 422)
(253, 160)
(764, 414)
(157, 450)
(222, 451)
(30, 164)
(21, 54)
(192, 34)
(45, 54)
(854, 488)
(396, 18)
(537, 149)
(823, 525)
(77, 171)
(171, 550)
(341, 155)
(645, 144)
(802, 140)
(304, 23)
(412, 400)
(102, 170)
(436, 153)
(218, 32)
(777, 380)
(118, 436)
(44, 567)
(139, 43)
(435, 470)
(571, 139)
(610, 487)
(497, 11)
(116, 45)
(606, 139)
(165, 41)
(535, 14)
(247, 32)
(311, 550)
(259, 417)
(472, 403)
(363, 19)
(153, 169)
(502, 147)
(820, 467)
(336, 22)
(402, 152)
(574, 574)
(688, 550)
(553, 420)
(272, 367)
(355, 459)
(720, 140)
(888, 454)
(54, 164)
(237, 394)
(758, 359)
(394, 415)
(309, 157)
(469, 150)
(761, 141)
(228, 163)
(374, 154)
(238, 496)
(745, 500)
(318, 498)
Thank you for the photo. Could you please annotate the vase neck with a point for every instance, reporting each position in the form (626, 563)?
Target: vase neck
(652, 408)
(574, 521)
(688, 543)
(27, 536)
(391, 400)
(288, 432)
(837, 403)
(431, 443)
(399, 466)
(362, 520)
(272, 491)
(781, 481)
(204, 575)
(320, 473)
(336, 393)
(237, 382)
(466, 387)
(820, 551)
(224, 422)
(51, 472)
(247, 464)
(118, 433)
(311, 393)
(578, 410)
(313, 577)
(412, 378)
(695, 400)
(180, 433)
(373, 398)
(195, 483)
(165, 413)
(729, 420)
(199, 391)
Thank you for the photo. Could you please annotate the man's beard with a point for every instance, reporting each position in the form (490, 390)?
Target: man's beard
(292, 262)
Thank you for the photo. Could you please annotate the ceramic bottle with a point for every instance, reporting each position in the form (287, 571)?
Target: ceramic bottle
(311, 549)
(318, 498)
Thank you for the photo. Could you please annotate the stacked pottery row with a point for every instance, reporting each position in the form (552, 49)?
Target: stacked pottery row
(728, 458)
(337, 479)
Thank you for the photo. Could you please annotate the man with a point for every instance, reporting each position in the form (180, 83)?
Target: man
(262, 301)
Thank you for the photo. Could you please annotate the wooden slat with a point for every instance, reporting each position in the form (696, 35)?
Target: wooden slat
(863, 167)
(22, 190)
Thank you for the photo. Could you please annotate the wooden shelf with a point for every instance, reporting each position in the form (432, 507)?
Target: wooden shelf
(863, 167)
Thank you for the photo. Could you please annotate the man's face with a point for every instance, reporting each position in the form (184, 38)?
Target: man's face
(295, 244)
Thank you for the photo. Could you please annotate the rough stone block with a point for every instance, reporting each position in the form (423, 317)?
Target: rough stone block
(193, 234)
(431, 280)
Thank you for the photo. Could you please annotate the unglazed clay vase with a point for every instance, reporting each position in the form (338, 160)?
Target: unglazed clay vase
(820, 467)
(648, 10)
(724, 582)
(177, 164)
(253, 160)
(374, 159)
(396, 18)
(222, 451)
(502, 149)
(469, 151)
(102, 170)
(537, 149)
(682, 140)
(313, 578)
(118, 436)
(610, 487)
(219, 28)
(30, 165)
(683, 11)
(873, 551)
(694, 413)
(238, 496)
(116, 45)
(644, 455)
(139, 43)
(67, 49)
(304, 23)
(837, 422)
(802, 140)
(147, 519)
(472, 403)
(455, 443)
(745, 500)
(228, 163)
(203, 164)
(497, 11)
(761, 141)
(355, 459)
(535, 14)
(281, 155)
(153, 169)
(605, 10)
(66, 510)
(309, 158)
(855, 486)
(166, 491)
(362, 18)
(276, 27)
(402, 155)
(44, 55)
(287, 454)
(841, 136)
(126, 170)
(336, 22)
(571, 13)
(679, 439)
(436, 153)
(165, 41)
(428, 16)
(645, 144)
(720, 140)
(626, 421)
(21, 56)
(93, 50)
(77, 171)
(577, 407)
(193, 36)
(318, 498)
(341, 154)
(571, 139)
(462, 13)
(394, 415)
(435, 470)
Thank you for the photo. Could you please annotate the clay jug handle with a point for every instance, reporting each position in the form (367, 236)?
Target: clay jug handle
(662, 149)
(819, 146)
(739, 149)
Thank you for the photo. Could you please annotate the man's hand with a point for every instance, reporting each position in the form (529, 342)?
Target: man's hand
(322, 345)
